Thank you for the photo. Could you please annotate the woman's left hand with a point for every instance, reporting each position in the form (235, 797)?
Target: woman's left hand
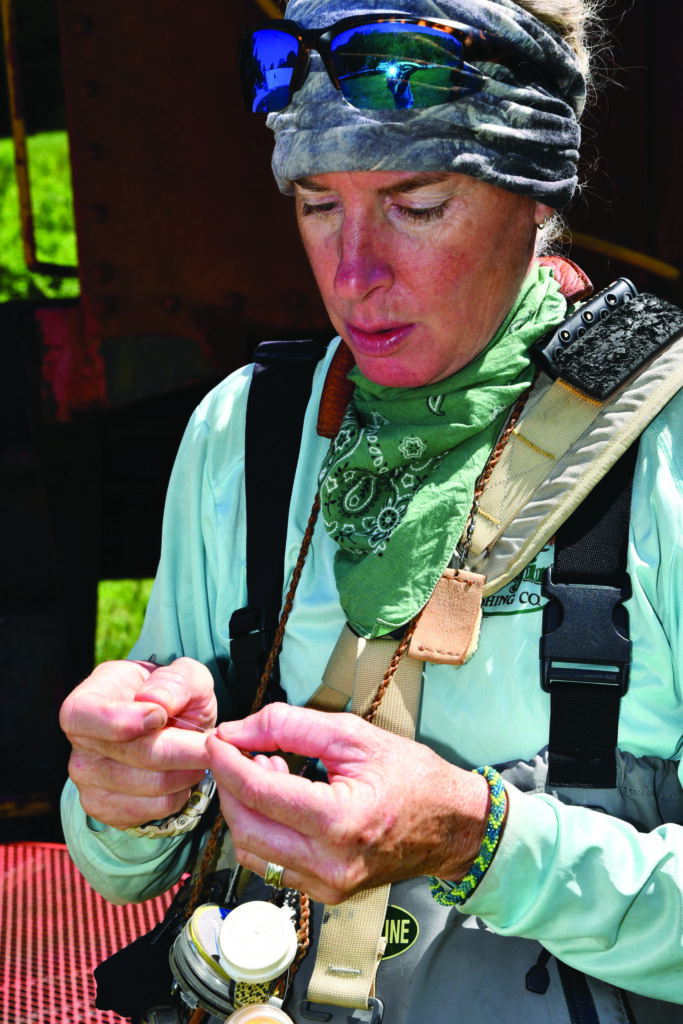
(393, 809)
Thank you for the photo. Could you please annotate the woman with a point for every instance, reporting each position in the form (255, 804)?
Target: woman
(421, 227)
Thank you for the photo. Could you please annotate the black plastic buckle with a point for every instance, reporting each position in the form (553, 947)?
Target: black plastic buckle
(248, 621)
(372, 1015)
(554, 343)
(252, 631)
(585, 624)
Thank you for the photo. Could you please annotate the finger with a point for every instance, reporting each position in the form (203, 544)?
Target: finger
(185, 687)
(99, 704)
(318, 887)
(262, 840)
(319, 734)
(273, 763)
(86, 769)
(165, 750)
(123, 811)
(311, 807)
(99, 717)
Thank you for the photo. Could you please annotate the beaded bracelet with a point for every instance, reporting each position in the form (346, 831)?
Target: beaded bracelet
(185, 820)
(450, 894)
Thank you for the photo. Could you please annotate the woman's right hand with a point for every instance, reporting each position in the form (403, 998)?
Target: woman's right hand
(138, 734)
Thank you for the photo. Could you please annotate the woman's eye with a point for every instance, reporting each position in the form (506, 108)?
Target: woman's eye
(311, 209)
(421, 214)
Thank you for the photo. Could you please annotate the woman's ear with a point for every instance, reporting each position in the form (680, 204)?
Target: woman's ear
(542, 214)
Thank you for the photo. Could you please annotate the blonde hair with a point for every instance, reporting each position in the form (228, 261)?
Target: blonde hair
(577, 22)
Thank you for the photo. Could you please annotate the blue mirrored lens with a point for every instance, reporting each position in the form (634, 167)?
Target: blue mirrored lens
(390, 65)
(267, 70)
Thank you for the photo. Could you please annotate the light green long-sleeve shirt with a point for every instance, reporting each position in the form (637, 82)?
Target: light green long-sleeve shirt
(600, 895)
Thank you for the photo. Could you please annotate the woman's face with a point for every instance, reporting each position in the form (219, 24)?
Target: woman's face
(417, 271)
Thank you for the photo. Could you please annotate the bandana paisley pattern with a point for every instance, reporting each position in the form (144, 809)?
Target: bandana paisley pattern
(371, 476)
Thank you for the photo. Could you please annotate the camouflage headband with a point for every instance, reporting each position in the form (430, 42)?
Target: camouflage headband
(523, 138)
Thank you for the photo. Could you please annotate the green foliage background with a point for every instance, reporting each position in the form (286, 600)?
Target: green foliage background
(48, 156)
(120, 611)
(121, 603)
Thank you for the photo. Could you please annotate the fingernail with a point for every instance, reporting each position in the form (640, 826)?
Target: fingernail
(226, 728)
(153, 720)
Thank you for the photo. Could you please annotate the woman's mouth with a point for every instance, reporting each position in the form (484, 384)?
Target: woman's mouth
(379, 342)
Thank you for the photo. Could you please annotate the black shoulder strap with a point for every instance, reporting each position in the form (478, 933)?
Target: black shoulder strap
(585, 649)
(278, 396)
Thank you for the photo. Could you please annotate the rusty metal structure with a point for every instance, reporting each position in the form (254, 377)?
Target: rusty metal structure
(188, 256)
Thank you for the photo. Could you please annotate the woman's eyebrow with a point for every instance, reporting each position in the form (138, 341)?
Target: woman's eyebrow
(414, 183)
(411, 184)
(310, 185)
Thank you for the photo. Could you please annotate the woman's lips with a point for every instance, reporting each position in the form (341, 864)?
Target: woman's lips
(380, 342)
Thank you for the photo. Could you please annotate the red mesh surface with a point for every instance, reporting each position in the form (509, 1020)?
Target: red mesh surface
(54, 929)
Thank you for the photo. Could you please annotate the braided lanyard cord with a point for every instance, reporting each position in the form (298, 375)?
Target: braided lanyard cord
(200, 880)
(287, 607)
(392, 668)
(463, 547)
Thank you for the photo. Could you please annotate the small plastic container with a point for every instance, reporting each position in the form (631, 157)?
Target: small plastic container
(194, 962)
(262, 1013)
(257, 942)
(227, 960)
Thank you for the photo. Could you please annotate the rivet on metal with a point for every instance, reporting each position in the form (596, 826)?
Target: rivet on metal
(233, 302)
(98, 212)
(295, 299)
(104, 306)
(89, 88)
(172, 303)
(102, 272)
(82, 25)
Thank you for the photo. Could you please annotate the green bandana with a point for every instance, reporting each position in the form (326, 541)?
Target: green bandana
(397, 484)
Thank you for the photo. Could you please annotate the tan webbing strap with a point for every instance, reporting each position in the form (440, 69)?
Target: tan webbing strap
(351, 942)
(354, 672)
(550, 428)
(532, 514)
(349, 950)
(398, 711)
(336, 690)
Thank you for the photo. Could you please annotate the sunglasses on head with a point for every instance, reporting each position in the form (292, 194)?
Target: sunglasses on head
(377, 62)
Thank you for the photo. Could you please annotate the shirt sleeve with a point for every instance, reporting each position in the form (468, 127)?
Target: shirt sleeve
(201, 577)
(181, 619)
(200, 582)
(597, 893)
(121, 867)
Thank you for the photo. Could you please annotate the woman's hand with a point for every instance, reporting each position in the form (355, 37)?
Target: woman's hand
(138, 737)
(392, 810)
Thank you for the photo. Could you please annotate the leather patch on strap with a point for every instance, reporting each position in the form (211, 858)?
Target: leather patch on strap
(447, 632)
(574, 284)
(337, 392)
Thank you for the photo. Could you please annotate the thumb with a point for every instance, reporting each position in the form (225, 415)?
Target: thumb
(185, 687)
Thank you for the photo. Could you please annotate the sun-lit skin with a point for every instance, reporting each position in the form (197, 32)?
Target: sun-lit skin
(417, 271)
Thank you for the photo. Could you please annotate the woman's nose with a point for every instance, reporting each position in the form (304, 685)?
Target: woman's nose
(363, 261)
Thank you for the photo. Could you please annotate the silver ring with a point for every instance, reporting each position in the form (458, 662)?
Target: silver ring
(273, 875)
